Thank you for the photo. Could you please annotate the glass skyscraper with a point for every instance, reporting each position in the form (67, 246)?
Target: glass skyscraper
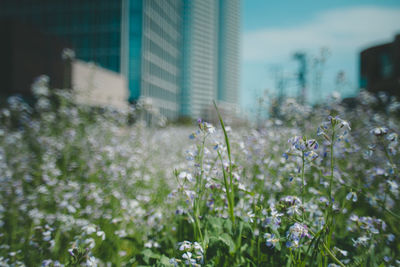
(200, 66)
(211, 54)
(179, 54)
(161, 55)
(228, 51)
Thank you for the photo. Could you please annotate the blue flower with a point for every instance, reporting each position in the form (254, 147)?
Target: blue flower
(352, 196)
(271, 240)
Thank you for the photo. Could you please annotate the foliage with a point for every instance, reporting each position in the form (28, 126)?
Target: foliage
(83, 187)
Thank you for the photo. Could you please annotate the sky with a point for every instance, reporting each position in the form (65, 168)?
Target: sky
(272, 31)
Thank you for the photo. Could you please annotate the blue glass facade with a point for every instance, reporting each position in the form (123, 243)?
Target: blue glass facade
(228, 50)
(91, 27)
(211, 54)
(186, 93)
(135, 26)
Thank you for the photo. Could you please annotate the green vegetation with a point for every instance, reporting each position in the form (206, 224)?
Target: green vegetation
(84, 187)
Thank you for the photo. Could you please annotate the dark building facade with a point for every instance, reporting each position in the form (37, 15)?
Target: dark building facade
(380, 68)
(27, 53)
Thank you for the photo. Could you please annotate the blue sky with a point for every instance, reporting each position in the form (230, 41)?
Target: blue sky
(273, 30)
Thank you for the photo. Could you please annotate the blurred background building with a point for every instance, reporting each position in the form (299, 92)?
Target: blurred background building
(26, 53)
(211, 54)
(178, 55)
(92, 85)
(380, 68)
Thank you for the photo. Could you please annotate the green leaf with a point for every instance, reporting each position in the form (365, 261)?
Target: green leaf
(216, 225)
(148, 254)
(227, 240)
(227, 226)
(278, 246)
(164, 260)
(206, 240)
(244, 248)
(228, 147)
(247, 192)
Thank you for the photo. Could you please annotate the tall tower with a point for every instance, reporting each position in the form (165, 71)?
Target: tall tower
(200, 64)
(228, 51)
(155, 53)
(211, 54)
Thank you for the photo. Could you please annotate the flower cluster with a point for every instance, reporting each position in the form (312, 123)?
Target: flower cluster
(300, 146)
(291, 204)
(84, 187)
(335, 125)
(192, 254)
(298, 233)
(204, 128)
(388, 141)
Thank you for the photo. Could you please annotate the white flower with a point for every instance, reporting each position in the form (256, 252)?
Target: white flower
(185, 245)
(91, 262)
(379, 131)
(197, 246)
(343, 252)
(393, 186)
(362, 240)
(187, 176)
(89, 229)
(344, 124)
(101, 234)
(90, 242)
(41, 86)
(187, 255)
(352, 196)
(209, 128)
(271, 239)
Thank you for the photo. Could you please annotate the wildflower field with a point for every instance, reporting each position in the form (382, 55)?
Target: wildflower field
(312, 187)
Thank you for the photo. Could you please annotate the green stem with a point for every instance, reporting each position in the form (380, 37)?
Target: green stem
(333, 256)
(390, 159)
(258, 250)
(302, 182)
(391, 212)
(200, 186)
(332, 164)
(328, 250)
(228, 195)
(231, 192)
(197, 227)
(199, 192)
(197, 221)
(329, 217)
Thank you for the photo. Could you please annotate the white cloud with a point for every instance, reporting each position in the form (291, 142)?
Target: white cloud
(342, 30)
